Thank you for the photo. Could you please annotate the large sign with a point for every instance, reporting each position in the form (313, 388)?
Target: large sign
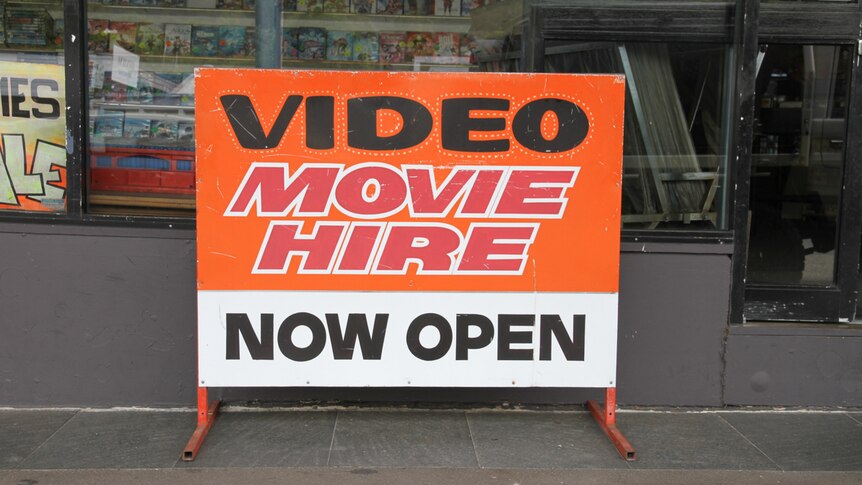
(407, 229)
(33, 136)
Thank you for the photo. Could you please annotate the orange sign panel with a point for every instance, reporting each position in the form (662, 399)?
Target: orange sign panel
(380, 181)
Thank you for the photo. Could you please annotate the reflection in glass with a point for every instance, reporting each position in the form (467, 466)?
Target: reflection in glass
(142, 55)
(674, 148)
(797, 163)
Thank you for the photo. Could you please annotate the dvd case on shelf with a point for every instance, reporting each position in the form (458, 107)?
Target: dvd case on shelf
(310, 6)
(178, 39)
(365, 46)
(151, 39)
(204, 40)
(290, 43)
(231, 40)
(136, 127)
(229, 4)
(390, 7)
(339, 45)
(447, 8)
(336, 6)
(311, 43)
(362, 6)
(392, 47)
(123, 34)
(419, 7)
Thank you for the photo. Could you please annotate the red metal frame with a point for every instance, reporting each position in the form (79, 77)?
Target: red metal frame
(207, 411)
(607, 418)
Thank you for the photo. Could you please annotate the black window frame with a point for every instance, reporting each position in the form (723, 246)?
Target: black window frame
(815, 23)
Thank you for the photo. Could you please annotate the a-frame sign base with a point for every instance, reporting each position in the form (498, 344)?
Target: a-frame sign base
(207, 411)
(604, 415)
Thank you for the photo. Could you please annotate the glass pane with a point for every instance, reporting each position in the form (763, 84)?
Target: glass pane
(674, 150)
(797, 163)
(32, 97)
(142, 54)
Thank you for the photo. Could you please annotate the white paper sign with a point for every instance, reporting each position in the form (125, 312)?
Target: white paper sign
(126, 66)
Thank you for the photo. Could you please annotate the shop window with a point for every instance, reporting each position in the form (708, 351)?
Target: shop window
(32, 101)
(674, 153)
(142, 55)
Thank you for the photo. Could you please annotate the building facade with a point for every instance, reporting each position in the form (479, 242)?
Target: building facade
(741, 204)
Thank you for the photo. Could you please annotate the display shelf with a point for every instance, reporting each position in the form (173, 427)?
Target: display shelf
(332, 21)
(32, 50)
(156, 62)
(140, 107)
(58, 4)
(141, 200)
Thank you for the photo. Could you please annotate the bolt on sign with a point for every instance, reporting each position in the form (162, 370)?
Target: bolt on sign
(408, 229)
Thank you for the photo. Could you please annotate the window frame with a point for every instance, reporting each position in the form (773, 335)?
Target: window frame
(808, 23)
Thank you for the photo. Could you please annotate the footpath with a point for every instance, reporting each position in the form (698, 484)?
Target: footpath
(393, 445)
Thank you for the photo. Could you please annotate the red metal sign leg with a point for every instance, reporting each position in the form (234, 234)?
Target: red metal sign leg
(607, 419)
(206, 415)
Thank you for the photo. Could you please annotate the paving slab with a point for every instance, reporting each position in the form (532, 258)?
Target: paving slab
(267, 439)
(420, 476)
(804, 441)
(690, 441)
(541, 440)
(402, 439)
(21, 432)
(151, 439)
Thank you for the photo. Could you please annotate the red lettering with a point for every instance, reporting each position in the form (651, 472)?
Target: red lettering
(267, 186)
(431, 246)
(283, 241)
(536, 192)
(494, 248)
(478, 201)
(362, 239)
(371, 190)
(426, 199)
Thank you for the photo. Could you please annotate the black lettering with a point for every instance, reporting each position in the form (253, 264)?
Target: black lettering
(52, 102)
(285, 337)
(238, 323)
(573, 349)
(371, 343)
(463, 340)
(18, 98)
(506, 337)
(246, 124)
(573, 125)
(320, 122)
(4, 95)
(456, 124)
(429, 320)
(362, 123)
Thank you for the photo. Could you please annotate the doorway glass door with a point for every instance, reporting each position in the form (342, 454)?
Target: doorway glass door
(798, 157)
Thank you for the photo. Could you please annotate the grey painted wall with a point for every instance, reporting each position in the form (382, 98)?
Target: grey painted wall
(95, 320)
(103, 317)
(795, 370)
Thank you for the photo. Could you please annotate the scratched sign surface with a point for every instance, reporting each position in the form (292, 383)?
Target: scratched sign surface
(407, 229)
